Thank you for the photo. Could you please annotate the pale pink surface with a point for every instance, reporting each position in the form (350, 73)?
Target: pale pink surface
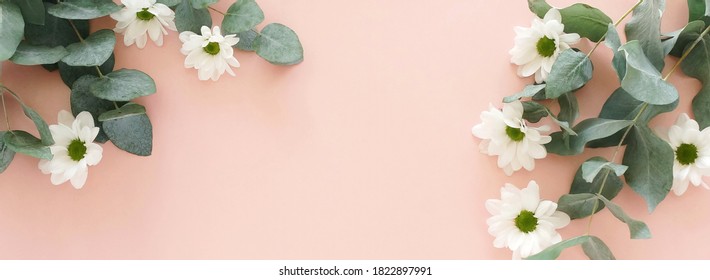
(363, 151)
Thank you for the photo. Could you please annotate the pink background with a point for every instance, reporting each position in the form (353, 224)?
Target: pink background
(363, 151)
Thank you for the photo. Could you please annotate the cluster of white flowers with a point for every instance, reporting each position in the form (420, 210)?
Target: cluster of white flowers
(210, 53)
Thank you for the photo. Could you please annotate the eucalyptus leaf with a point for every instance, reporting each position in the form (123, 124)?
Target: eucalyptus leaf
(129, 129)
(203, 4)
(56, 31)
(554, 251)
(25, 143)
(685, 37)
(32, 10)
(82, 100)
(612, 186)
(650, 162)
(242, 16)
(11, 29)
(614, 43)
(533, 111)
(569, 108)
(83, 9)
(40, 124)
(595, 249)
(279, 45)
(587, 130)
(247, 40)
(585, 20)
(93, 51)
(645, 27)
(696, 66)
(6, 154)
(539, 7)
(592, 167)
(571, 71)
(123, 85)
(188, 18)
(169, 3)
(528, 91)
(27, 54)
(697, 9)
(638, 229)
(642, 80)
(70, 74)
(579, 205)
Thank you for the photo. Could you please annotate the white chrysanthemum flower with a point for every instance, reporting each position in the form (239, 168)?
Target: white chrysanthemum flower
(506, 135)
(522, 222)
(74, 149)
(692, 154)
(142, 18)
(536, 48)
(210, 53)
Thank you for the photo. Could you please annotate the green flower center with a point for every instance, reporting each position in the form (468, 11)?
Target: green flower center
(515, 134)
(526, 221)
(212, 48)
(77, 150)
(686, 154)
(546, 47)
(144, 14)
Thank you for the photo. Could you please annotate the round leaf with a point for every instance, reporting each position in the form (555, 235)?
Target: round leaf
(27, 54)
(247, 40)
(93, 51)
(123, 85)
(82, 100)
(188, 18)
(279, 45)
(70, 74)
(129, 129)
(83, 9)
(11, 29)
(32, 10)
(242, 16)
(56, 31)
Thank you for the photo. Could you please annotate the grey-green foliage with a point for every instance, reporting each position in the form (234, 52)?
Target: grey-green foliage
(682, 38)
(587, 130)
(69, 74)
(202, 4)
(187, 18)
(698, 10)
(11, 29)
(569, 108)
(83, 9)
(585, 20)
(533, 111)
(637, 229)
(82, 100)
(593, 247)
(242, 16)
(40, 124)
(528, 91)
(27, 54)
(123, 85)
(642, 80)
(650, 162)
(169, 3)
(697, 65)
(614, 43)
(92, 51)
(6, 154)
(32, 10)
(645, 27)
(247, 40)
(129, 129)
(578, 205)
(56, 31)
(279, 45)
(571, 71)
(592, 167)
(25, 143)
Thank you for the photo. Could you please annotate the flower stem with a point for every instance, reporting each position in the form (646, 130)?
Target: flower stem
(615, 24)
(687, 52)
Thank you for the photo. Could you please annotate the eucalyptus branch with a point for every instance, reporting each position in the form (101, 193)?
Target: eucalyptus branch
(218, 11)
(615, 25)
(4, 109)
(687, 52)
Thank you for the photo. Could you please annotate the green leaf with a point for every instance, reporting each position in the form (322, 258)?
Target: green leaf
(595, 249)
(645, 27)
(681, 39)
(696, 66)
(279, 45)
(579, 205)
(123, 85)
(592, 167)
(642, 80)
(82, 100)
(569, 108)
(533, 111)
(56, 31)
(6, 155)
(587, 130)
(188, 18)
(169, 3)
(638, 229)
(242, 16)
(83, 9)
(32, 10)
(25, 143)
(11, 29)
(571, 71)
(41, 125)
(554, 251)
(539, 7)
(129, 129)
(528, 91)
(650, 162)
(202, 4)
(247, 40)
(27, 54)
(70, 74)
(696, 9)
(612, 187)
(585, 20)
(614, 43)
(93, 51)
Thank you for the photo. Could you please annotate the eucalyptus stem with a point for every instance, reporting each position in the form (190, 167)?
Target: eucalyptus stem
(615, 25)
(81, 39)
(115, 105)
(218, 11)
(4, 109)
(686, 53)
